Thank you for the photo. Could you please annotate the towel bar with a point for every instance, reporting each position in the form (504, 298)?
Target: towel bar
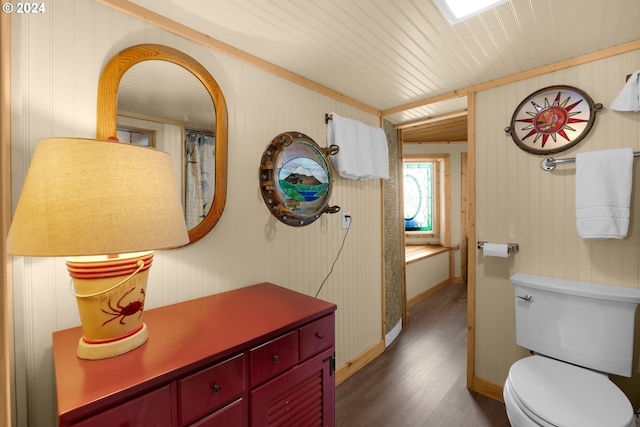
(549, 163)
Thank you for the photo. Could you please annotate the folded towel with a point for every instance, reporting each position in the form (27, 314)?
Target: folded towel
(603, 193)
(629, 97)
(363, 154)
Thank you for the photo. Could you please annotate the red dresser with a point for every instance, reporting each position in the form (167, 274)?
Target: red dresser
(257, 356)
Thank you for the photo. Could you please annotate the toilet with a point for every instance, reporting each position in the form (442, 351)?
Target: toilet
(578, 333)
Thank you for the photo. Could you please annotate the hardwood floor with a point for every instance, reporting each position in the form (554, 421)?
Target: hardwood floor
(420, 380)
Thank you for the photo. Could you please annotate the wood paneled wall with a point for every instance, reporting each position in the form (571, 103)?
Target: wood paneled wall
(57, 58)
(426, 275)
(516, 201)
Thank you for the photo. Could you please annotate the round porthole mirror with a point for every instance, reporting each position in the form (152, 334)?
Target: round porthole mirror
(296, 179)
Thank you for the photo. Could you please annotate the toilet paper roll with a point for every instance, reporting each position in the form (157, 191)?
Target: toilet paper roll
(495, 249)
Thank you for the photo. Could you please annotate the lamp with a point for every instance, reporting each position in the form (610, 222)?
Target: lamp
(108, 205)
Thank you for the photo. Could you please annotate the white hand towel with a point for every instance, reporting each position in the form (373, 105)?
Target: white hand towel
(603, 193)
(363, 149)
(629, 97)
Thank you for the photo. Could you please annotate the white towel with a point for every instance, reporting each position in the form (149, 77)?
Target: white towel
(363, 154)
(603, 193)
(629, 97)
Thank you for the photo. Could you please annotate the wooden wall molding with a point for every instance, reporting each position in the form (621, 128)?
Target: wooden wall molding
(358, 362)
(6, 296)
(488, 388)
(471, 237)
(425, 294)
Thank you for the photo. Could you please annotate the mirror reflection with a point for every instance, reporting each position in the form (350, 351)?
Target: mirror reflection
(157, 96)
(160, 104)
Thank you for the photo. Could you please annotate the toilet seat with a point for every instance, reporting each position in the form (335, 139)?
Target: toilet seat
(515, 413)
(554, 393)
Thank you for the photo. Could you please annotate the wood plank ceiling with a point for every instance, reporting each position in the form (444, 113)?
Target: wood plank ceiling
(392, 54)
(449, 128)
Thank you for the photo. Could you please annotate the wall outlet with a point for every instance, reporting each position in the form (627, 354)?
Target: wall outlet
(346, 220)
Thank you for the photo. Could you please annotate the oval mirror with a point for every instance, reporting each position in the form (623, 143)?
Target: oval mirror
(171, 102)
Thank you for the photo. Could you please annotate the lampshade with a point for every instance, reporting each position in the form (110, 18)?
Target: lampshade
(93, 197)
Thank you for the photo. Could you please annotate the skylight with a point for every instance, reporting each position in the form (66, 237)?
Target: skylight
(459, 10)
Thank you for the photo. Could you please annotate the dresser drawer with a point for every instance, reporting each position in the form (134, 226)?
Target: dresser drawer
(210, 389)
(317, 336)
(151, 409)
(274, 357)
(233, 414)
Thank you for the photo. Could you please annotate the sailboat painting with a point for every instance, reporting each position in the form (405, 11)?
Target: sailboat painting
(303, 179)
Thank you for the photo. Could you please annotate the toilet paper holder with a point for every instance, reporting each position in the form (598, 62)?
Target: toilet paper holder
(512, 247)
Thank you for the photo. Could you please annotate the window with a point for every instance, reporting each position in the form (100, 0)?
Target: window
(419, 196)
(458, 10)
(142, 137)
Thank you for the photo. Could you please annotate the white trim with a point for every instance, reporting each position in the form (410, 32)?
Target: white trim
(393, 334)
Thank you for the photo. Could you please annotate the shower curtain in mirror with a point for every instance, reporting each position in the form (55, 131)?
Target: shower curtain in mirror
(199, 176)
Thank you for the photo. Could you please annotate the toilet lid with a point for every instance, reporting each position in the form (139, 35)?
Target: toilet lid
(565, 395)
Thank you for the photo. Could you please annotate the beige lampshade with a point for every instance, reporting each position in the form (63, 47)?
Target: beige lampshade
(92, 197)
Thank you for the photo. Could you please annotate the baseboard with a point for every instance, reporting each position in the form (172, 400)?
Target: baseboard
(488, 388)
(425, 294)
(359, 362)
(458, 280)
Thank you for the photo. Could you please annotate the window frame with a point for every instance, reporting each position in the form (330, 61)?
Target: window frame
(441, 199)
(151, 134)
(435, 217)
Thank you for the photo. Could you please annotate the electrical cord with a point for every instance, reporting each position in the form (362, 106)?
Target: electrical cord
(344, 239)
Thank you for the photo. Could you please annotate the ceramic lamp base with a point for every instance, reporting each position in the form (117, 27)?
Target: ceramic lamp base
(98, 351)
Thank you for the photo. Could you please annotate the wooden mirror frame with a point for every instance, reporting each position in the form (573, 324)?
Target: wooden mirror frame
(107, 114)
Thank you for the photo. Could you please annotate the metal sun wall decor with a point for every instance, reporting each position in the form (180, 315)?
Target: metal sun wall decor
(552, 119)
(295, 179)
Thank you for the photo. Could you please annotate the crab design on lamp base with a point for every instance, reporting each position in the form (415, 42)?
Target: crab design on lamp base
(120, 311)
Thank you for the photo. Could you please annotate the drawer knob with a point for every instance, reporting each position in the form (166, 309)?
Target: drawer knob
(276, 359)
(320, 336)
(216, 388)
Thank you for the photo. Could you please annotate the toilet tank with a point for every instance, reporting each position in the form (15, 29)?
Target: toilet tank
(587, 324)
